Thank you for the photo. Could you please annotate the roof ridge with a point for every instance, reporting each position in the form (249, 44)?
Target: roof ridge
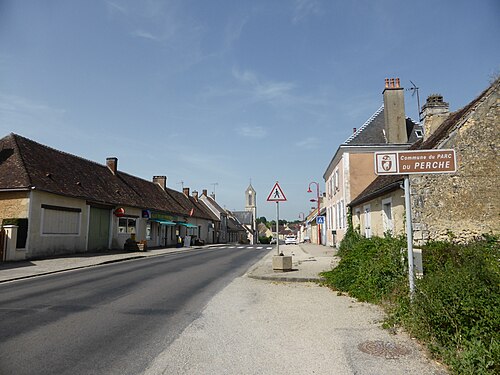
(367, 122)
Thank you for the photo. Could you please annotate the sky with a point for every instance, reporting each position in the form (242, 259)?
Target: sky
(223, 93)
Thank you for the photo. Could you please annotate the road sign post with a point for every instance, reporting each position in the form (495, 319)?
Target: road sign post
(277, 195)
(414, 162)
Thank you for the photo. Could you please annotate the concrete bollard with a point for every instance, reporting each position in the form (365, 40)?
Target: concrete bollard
(282, 263)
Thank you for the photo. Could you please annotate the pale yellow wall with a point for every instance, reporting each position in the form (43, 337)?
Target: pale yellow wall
(377, 214)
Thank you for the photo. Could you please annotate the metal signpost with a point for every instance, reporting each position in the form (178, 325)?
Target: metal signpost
(414, 162)
(277, 195)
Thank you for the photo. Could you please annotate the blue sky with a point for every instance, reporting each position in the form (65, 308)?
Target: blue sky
(225, 91)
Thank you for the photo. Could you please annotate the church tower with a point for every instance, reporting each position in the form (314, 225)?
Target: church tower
(251, 205)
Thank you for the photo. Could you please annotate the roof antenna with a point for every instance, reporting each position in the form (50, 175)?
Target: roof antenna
(182, 184)
(214, 184)
(414, 90)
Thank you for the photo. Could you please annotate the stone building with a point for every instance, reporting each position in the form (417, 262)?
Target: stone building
(462, 205)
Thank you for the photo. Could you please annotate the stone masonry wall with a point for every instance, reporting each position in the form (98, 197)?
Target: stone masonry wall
(13, 205)
(466, 204)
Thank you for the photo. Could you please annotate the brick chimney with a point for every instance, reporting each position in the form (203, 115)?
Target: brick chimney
(160, 180)
(112, 164)
(204, 192)
(394, 112)
(195, 195)
(185, 191)
(434, 112)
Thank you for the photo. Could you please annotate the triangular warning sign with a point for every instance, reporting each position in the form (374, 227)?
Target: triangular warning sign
(276, 194)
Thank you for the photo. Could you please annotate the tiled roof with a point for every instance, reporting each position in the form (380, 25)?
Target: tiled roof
(371, 132)
(384, 184)
(25, 164)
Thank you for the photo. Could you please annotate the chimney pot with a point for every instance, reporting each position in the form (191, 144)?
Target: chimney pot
(397, 82)
(112, 164)
(204, 192)
(160, 180)
(195, 195)
(354, 130)
(387, 83)
(186, 191)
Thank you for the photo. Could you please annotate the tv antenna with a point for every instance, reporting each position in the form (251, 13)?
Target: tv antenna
(214, 184)
(182, 184)
(414, 90)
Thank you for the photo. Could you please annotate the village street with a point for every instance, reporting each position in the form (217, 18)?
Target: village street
(212, 310)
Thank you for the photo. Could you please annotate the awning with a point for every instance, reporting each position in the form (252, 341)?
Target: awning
(163, 222)
(187, 225)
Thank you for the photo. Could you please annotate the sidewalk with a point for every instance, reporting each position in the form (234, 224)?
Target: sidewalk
(308, 260)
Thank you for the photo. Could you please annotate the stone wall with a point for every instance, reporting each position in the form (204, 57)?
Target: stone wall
(466, 204)
(13, 205)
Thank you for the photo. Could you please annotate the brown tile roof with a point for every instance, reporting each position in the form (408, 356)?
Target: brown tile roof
(25, 164)
(384, 184)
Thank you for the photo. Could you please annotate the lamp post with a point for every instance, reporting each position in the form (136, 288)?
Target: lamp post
(317, 200)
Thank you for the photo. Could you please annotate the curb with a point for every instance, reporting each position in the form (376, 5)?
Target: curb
(288, 279)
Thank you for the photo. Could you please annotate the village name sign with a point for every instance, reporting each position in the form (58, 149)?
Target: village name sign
(415, 162)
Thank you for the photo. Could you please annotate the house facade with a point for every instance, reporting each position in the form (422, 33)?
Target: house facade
(66, 204)
(462, 205)
(222, 225)
(351, 169)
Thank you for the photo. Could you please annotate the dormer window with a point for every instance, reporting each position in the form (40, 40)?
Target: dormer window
(419, 133)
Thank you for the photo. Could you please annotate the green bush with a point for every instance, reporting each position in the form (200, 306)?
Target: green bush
(370, 269)
(265, 240)
(456, 308)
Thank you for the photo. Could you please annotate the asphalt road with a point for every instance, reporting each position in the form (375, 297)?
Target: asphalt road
(110, 319)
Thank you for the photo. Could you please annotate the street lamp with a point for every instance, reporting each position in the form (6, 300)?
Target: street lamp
(317, 200)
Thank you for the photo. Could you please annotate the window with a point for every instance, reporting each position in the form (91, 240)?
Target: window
(126, 225)
(387, 215)
(419, 133)
(336, 182)
(60, 220)
(148, 231)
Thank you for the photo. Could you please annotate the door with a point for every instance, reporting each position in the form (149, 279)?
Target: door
(368, 221)
(98, 229)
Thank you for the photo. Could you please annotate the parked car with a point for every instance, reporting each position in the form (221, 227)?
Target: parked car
(291, 240)
(273, 241)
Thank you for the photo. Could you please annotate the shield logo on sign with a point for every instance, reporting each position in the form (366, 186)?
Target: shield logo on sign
(386, 163)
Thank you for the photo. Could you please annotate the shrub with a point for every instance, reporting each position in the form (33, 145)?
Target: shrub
(370, 269)
(456, 308)
(265, 240)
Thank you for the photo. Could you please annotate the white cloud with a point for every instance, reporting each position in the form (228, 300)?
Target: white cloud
(146, 35)
(309, 143)
(113, 7)
(305, 8)
(252, 132)
(264, 90)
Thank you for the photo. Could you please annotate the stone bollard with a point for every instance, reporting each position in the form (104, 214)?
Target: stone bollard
(282, 263)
